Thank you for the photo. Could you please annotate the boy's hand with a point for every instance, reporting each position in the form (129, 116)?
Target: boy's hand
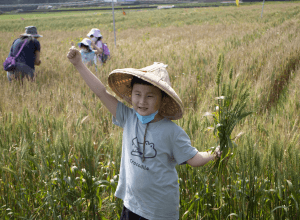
(74, 56)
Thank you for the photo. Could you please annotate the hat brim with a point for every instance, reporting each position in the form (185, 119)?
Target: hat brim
(119, 81)
(90, 34)
(32, 35)
(79, 44)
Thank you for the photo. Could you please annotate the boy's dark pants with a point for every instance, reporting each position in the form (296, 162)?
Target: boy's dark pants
(129, 215)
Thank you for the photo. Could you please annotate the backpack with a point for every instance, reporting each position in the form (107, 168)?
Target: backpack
(10, 62)
(106, 53)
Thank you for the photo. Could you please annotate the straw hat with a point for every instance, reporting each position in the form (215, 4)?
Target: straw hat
(119, 81)
(31, 31)
(95, 32)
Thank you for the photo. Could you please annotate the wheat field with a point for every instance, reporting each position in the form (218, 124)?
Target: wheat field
(60, 152)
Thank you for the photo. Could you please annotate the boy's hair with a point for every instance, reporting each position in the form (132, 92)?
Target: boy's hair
(136, 80)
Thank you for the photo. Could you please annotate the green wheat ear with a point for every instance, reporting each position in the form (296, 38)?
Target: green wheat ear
(220, 68)
(232, 100)
(230, 73)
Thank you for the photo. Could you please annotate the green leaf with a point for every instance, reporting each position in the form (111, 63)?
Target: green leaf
(185, 215)
(280, 207)
(7, 169)
(232, 214)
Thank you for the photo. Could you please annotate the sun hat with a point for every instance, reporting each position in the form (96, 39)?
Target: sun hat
(119, 81)
(31, 31)
(87, 42)
(95, 32)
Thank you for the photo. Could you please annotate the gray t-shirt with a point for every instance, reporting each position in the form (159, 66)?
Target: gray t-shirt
(150, 188)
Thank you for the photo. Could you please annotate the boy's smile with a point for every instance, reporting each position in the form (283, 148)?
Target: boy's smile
(146, 99)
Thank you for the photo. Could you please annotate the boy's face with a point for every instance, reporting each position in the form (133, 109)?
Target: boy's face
(146, 99)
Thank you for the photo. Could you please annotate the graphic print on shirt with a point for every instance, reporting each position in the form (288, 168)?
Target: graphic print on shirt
(150, 151)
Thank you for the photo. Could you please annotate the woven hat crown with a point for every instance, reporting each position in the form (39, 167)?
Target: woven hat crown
(158, 70)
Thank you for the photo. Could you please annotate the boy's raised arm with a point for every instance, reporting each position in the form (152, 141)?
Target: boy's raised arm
(92, 81)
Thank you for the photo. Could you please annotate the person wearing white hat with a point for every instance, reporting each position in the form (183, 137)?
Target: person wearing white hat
(97, 44)
(28, 48)
(152, 144)
(94, 34)
(87, 53)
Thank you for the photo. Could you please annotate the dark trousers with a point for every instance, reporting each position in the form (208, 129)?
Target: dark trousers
(129, 215)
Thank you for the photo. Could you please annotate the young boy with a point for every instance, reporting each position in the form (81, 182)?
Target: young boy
(152, 144)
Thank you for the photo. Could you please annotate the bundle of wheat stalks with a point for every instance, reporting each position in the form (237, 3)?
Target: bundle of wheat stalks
(229, 109)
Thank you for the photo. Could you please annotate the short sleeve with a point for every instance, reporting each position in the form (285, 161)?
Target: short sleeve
(123, 112)
(99, 44)
(37, 45)
(182, 149)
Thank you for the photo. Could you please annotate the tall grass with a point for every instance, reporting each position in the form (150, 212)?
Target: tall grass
(60, 153)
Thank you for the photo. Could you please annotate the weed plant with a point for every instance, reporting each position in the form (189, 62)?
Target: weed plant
(60, 153)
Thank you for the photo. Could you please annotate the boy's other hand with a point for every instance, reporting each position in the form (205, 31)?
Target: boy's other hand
(74, 56)
(217, 153)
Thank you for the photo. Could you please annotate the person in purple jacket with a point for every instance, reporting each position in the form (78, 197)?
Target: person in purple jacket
(98, 45)
(29, 56)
